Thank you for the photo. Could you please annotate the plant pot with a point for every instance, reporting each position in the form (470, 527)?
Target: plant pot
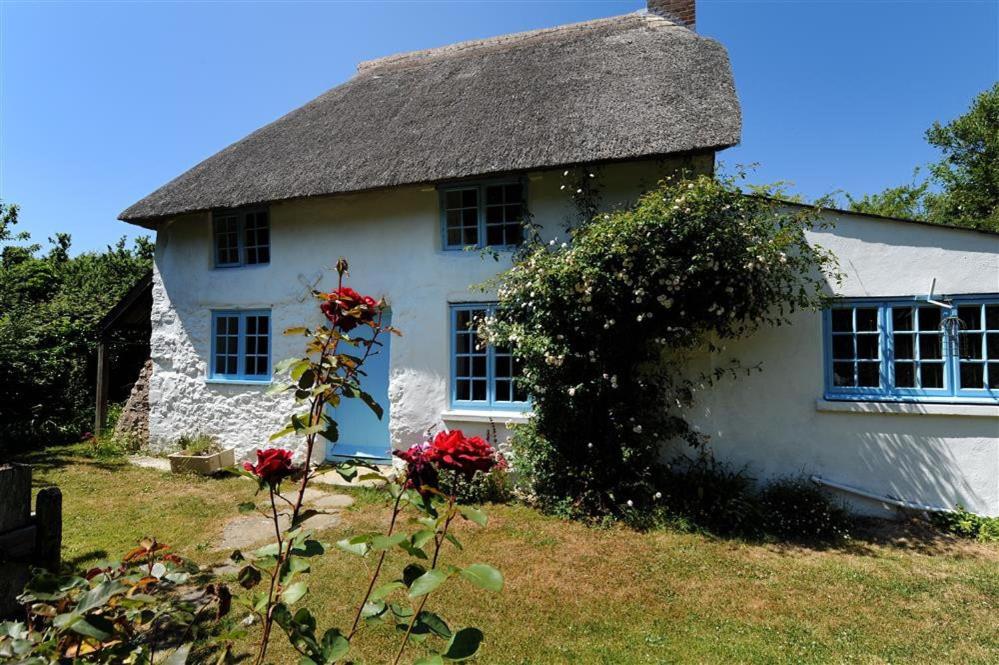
(203, 465)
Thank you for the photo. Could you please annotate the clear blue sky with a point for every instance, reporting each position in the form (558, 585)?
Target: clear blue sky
(103, 102)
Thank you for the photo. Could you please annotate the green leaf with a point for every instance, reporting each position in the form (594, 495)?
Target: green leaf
(427, 582)
(431, 659)
(331, 432)
(454, 541)
(372, 404)
(435, 624)
(284, 365)
(307, 380)
(411, 572)
(309, 548)
(247, 507)
(248, 577)
(464, 644)
(292, 567)
(271, 549)
(385, 589)
(93, 626)
(294, 593)
(379, 543)
(373, 608)
(298, 369)
(355, 545)
(334, 646)
(484, 576)
(421, 537)
(179, 655)
(474, 514)
(285, 431)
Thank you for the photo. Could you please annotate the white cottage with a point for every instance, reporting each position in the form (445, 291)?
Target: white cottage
(893, 394)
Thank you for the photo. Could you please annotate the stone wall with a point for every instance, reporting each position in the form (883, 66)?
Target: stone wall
(134, 420)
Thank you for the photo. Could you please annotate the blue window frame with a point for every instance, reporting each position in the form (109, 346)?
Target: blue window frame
(241, 345)
(908, 349)
(241, 238)
(482, 376)
(483, 214)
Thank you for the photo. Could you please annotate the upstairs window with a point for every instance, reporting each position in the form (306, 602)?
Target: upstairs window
(242, 238)
(481, 215)
(481, 375)
(911, 350)
(241, 349)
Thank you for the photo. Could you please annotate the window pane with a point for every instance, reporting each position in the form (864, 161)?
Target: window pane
(454, 236)
(494, 215)
(929, 318)
(479, 366)
(842, 320)
(494, 194)
(971, 317)
(514, 193)
(931, 375)
(231, 365)
(867, 319)
(502, 366)
(973, 375)
(479, 391)
(971, 346)
(470, 236)
(470, 198)
(842, 374)
(992, 344)
(462, 366)
(453, 218)
(494, 235)
(903, 347)
(993, 376)
(869, 375)
(930, 347)
(464, 389)
(867, 346)
(502, 391)
(992, 317)
(901, 318)
(905, 375)
(452, 199)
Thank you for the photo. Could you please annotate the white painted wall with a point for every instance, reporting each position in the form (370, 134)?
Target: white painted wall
(768, 421)
(393, 243)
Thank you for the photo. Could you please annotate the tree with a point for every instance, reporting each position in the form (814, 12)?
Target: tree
(963, 187)
(50, 305)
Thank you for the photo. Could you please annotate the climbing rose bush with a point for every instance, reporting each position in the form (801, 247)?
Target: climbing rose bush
(609, 325)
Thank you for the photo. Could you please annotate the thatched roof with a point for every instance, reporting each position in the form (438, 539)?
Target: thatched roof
(619, 88)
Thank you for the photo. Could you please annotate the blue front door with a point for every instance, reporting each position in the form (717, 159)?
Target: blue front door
(362, 434)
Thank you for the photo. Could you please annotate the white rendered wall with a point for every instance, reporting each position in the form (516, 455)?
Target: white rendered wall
(770, 421)
(392, 240)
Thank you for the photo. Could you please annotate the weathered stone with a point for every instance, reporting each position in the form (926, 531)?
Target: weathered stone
(248, 531)
(334, 501)
(158, 463)
(133, 423)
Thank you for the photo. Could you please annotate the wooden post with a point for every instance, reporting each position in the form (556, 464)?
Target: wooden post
(48, 533)
(101, 406)
(15, 525)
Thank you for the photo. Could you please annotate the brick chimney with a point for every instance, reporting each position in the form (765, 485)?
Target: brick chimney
(680, 11)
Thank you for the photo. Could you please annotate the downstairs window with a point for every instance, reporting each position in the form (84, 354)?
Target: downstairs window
(907, 349)
(241, 345)
(482, 376)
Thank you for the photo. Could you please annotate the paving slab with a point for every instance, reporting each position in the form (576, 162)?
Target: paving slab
(148, 462)
(334, 479)
(247, 531)
(334, 501)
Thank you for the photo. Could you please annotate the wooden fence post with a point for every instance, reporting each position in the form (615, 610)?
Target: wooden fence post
(48, 524)
(15, 530)
(101, 403)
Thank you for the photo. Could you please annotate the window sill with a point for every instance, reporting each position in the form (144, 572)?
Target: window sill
(498, 416)
(907, 408)
(238, 382)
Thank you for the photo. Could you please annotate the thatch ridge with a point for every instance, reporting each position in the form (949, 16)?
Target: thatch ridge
(626, 87)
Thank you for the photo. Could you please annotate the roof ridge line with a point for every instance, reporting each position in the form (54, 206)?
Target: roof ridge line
(410, 58)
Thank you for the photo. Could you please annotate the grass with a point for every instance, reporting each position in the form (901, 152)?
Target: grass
(576, 594)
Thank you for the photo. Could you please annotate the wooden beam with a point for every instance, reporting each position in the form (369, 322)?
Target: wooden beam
(48, 522)
(15, 496)
(101, 402)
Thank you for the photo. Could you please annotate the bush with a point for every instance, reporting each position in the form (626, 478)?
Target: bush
(494, 486)
(966, 524)
(794, 508)
(604, 328)
(712, 496)
(199, 444)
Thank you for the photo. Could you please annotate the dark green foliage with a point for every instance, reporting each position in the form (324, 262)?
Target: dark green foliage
(968, 525)
(712, 496)
(795, 509)
(492, 487)
(50, 304)
(963, 187)
(605, 328)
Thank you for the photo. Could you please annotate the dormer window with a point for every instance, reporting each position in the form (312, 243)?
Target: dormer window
(242, 238)
(483, 214)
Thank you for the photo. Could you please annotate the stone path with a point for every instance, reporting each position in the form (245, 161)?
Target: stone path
(254, 529)
(332, 478)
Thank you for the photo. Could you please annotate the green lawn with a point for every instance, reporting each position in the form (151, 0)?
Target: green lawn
(582, 595)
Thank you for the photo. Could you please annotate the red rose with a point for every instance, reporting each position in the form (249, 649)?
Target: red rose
(421, 474)
(346, 308)
(273, 465)
(465, 455)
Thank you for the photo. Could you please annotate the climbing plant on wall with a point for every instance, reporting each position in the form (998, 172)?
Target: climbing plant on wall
(605, 327)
